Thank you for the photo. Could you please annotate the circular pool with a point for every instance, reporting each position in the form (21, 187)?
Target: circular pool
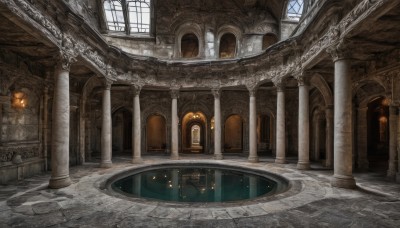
(197, 183)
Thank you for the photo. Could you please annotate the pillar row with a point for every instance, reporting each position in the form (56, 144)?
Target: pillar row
(343, 166)
(304, 126)
(60, 125)
(280, 126)
(106, 140)
(329, 136)
(174, 124)
(137, 131)
(253, 157)
(217, 124)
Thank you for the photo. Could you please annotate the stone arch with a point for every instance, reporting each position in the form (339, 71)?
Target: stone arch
(320, 83)
(187, 28)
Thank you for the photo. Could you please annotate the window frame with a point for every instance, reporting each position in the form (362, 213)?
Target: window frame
(126, 14)
(299, 15)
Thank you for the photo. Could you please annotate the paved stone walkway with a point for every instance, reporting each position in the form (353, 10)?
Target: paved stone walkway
(311, 202)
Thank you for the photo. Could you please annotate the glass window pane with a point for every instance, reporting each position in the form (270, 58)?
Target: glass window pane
(295, 9)
(114, 15)
(139, 15)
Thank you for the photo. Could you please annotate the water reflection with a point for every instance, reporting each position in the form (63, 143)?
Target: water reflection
(195, 185)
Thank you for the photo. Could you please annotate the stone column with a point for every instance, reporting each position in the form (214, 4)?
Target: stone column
(60, 125)
(45, 125)
(82, 130)
(343, 176)
(280, 126)
(329, 136)
(175, 184)
(317, 134)
(304, 126)
(106, 139)
(253, 157)
(362, 138)
(393, 121)
(174, 125)
(217, 125)
(136, 128)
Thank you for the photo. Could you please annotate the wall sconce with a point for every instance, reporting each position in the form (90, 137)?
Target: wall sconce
(19, 100)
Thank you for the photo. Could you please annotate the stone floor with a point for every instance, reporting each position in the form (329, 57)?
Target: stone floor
(310, 203)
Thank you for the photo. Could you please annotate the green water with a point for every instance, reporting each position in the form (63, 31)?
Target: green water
(195, 184)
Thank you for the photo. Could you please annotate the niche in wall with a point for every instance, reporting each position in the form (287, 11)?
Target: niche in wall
(189, 46)
(227, 46)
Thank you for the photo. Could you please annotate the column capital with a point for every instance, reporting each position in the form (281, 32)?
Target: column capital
(136, 89)
(66, 60)
(303, 81)
(108, 83)
(216, 92)
(280, 85)
(341, 50)
(174, 93)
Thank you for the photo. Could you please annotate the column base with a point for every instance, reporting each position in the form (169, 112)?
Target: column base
(253, 159)
(280, 161)
(343, 181)
(174, 157)
(218, 157)
(106, 165)
(62, 182)
(137, 160)
(303, 165)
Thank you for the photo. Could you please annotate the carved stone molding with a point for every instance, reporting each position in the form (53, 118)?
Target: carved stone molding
(216, 93)
(8, 152)
(136, 89)
(341, 50)
(303, 81)
(108, 83)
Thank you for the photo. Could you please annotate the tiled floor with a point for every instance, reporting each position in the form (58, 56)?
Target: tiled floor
(310, 203)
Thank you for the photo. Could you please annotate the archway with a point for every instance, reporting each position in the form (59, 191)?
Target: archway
(193, 132)
(378, 134)
(227, 46)
(233, 134)
(156, 136)
(189, 46)
(122, 131)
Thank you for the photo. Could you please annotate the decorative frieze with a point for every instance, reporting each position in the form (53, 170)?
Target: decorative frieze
(25, 151)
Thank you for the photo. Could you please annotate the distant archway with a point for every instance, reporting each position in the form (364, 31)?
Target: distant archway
(233, 134)
(156, 136)
(193, 132)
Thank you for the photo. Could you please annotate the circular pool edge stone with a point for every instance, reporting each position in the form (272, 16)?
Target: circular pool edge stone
(293, 186)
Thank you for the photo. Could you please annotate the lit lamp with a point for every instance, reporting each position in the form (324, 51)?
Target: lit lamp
(19, 100)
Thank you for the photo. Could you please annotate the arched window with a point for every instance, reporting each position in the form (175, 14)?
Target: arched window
(227, 46)
(268, 40)
(189, 46)
(130, 16)
(114, 15)
(295, 9)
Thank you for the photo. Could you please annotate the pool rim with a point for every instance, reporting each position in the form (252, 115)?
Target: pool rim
(292, 186)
